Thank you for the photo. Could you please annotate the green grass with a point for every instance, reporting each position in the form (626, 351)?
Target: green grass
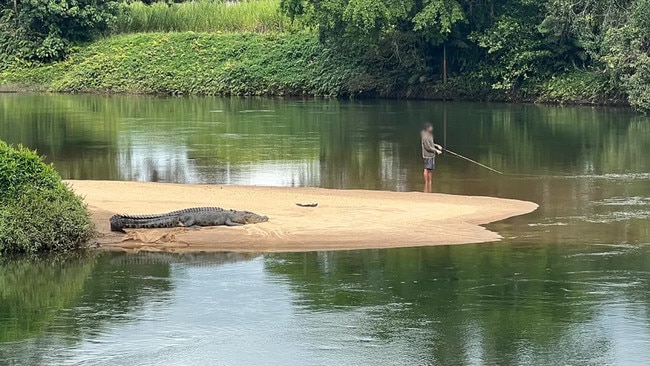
(256, 16)
(201, 64)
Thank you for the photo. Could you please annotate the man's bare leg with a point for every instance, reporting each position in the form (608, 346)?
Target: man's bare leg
(426, 182)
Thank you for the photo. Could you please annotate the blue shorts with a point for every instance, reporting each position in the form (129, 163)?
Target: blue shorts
(429, 163)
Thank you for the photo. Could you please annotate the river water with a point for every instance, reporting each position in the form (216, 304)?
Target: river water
(570, 284)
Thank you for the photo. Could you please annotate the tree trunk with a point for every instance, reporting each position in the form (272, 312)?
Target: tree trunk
(444, 63)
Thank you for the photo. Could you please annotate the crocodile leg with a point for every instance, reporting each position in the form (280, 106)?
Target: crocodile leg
(229, 222)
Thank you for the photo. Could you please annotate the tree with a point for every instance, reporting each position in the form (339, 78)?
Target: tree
(515, 50)
(400, 41)
(372, 20)
(627, 54)
(44, 30)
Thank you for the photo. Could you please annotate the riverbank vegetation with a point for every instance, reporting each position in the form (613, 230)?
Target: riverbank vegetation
(38, 212)
(585, 51)
(198, 63)
(204, 16)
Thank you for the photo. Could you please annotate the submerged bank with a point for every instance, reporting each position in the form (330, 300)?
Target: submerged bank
(284, 64)
(343, 220)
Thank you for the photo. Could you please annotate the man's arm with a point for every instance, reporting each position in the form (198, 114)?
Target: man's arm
(428, 145)
(438, 149)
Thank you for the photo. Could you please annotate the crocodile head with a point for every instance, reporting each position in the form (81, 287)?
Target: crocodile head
(247, 217)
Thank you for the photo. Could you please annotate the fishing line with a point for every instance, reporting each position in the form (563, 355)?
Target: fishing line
(502, 173)
(471, 161)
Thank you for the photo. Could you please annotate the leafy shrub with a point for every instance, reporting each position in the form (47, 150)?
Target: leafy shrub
(627, 55)
(579, 86)
(638, 85)
(21, 168)
(26, 76)
(38, 212)
(46, 29)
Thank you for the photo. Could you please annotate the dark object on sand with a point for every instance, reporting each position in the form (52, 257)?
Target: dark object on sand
(307, 204)
(197, 216)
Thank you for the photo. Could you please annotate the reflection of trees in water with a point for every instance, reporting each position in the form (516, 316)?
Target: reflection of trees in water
(70, 131)
(547, 140)
(156, 164)
(75, 296)
(34, 290)
(358, 149)
(69, 296)
(497, 303)
(378, 147)
(372, 144)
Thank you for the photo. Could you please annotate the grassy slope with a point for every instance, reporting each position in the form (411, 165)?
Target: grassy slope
(195, 63)
(262, 64)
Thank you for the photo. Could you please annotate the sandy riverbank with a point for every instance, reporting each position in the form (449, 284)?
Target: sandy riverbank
(344, 219)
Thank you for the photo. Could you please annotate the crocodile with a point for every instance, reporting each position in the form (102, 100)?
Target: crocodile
(196, 216)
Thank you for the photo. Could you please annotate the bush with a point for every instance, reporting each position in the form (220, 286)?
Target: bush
(582, 87)
(45, 30)
(638, 85)
(38, 211)
(25, 76)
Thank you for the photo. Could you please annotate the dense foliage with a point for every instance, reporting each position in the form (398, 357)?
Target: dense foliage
(46, 29)
(579, 51)
(38, 212)
(627, 53)
(511, 46)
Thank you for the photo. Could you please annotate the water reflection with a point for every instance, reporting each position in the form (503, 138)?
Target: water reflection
(491, 304)
(476, 304)
(315, 143)
(49, 304)
(569, 284)
(33, 291)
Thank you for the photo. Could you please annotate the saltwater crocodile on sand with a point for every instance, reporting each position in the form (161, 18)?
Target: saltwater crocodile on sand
(197, 216)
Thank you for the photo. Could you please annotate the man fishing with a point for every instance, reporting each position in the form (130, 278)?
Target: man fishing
(429, 152)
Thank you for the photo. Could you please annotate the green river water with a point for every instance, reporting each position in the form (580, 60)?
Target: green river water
(569, 284)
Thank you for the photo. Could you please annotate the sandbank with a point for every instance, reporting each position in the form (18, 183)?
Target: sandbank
(343, 219)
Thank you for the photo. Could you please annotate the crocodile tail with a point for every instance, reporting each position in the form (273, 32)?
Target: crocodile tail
(119, 222)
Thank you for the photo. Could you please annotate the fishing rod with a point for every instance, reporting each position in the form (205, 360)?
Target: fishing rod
(471, 161)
